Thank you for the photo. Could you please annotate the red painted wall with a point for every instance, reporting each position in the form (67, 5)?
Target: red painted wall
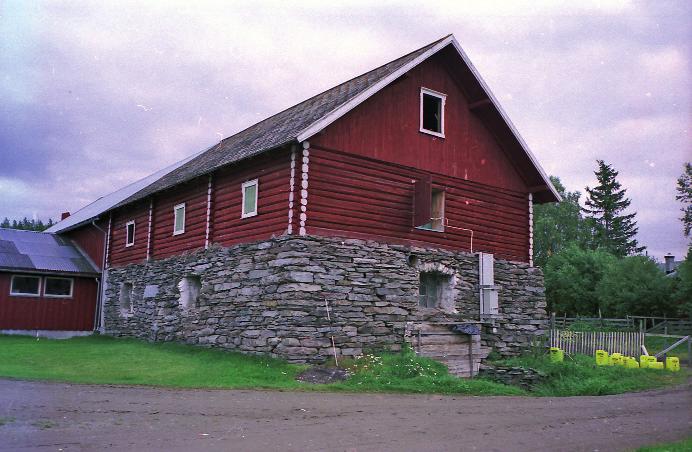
(361, 197)
(119, 253)
(194, 195)
(44, 313)
(90, 240)
(386, 127)
(273, 173)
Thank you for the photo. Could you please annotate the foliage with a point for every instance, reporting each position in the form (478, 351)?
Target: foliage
(26, 225)
(571, 280)
(682, 294)
(612, 230)
(579, 376)
(558, 225)
(684, 195)
(635, 285)
(407, 372)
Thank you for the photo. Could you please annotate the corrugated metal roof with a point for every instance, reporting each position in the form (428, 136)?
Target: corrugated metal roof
(105, 203)
(41, 251)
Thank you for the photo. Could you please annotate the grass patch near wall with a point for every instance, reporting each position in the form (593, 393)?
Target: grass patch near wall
(105, 360)
(406, 372)
(579, 376)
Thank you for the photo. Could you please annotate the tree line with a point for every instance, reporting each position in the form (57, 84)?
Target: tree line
(593, 264)
(26, 225)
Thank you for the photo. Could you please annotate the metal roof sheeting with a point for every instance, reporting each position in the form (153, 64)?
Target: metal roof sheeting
(41, 251)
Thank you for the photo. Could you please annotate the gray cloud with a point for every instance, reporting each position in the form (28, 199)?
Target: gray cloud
(94, 95)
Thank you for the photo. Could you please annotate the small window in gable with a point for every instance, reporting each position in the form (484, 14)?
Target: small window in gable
(432, 112)
(25, 285)
(130, 233)
(250, 189)
(189, 287)
(179, 219)
(58, 287)
(126, 307)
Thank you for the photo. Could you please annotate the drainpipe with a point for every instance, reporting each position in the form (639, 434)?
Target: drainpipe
(101, 283)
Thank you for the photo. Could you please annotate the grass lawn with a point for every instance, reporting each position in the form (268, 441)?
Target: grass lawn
(678, 446)
(106, 360)
(579, 375)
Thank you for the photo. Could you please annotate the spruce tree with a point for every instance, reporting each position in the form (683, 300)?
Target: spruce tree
(684, 195)
(605, 203)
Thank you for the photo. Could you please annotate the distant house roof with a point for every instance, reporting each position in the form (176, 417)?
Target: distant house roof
(41, 251)
(304, 120)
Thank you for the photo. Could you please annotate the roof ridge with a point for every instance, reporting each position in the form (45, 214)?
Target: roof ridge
(336, 86)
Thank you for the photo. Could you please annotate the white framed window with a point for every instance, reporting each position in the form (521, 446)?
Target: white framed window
(249, 189)
(54, 287)
(130, 233)
(432, 112)
(126, 307)
(25, 285)
(179, 219)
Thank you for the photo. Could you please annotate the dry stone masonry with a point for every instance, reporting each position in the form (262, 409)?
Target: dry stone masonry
(271, 298)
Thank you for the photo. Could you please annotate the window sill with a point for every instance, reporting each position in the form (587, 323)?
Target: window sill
(248, 215)
(58, 297)
(420, 228)
(26, 295)
(433, 133)
(178, 232)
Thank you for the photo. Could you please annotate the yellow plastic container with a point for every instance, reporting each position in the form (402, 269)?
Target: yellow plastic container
(556, 355)
(602, 358)
(645, 361)
(631, 363)
(673, 364)
(616, 359)
(656, 365)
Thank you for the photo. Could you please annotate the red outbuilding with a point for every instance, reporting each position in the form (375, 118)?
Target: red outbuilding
(46, 284)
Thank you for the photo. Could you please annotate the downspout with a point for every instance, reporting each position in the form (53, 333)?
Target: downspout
(100, 282)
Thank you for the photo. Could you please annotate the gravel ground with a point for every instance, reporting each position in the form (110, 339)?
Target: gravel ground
(56, 416)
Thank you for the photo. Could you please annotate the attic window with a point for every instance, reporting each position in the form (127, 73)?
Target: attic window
(432, 111)
(179, 219)
(249, 189)
(130, 233)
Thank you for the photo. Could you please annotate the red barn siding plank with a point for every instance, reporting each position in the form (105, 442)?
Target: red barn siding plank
(45, 313)
(90, 240)
(119, 253)
(387, 128)
(273, 172)
(372, 199)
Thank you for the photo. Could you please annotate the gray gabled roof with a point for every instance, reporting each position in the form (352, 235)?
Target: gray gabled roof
(30, 251)
(282, 128)
(300, 122)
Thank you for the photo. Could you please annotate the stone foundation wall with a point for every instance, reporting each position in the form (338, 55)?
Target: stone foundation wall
(270, 298)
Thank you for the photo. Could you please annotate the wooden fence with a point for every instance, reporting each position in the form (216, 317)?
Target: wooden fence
(628, 343)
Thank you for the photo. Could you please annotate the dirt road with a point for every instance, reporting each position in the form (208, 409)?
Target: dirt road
(52, 416)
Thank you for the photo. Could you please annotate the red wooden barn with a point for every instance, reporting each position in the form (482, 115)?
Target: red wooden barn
(416, 153)
(46, 283)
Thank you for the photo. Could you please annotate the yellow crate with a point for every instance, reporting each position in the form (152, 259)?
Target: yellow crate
(644, 361)
(616, 359)
(631, 363)
(673, 364)
(656, 365)
(556, 355)
(602, 358)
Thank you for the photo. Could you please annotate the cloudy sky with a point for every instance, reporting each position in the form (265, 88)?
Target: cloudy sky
(94, 95)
